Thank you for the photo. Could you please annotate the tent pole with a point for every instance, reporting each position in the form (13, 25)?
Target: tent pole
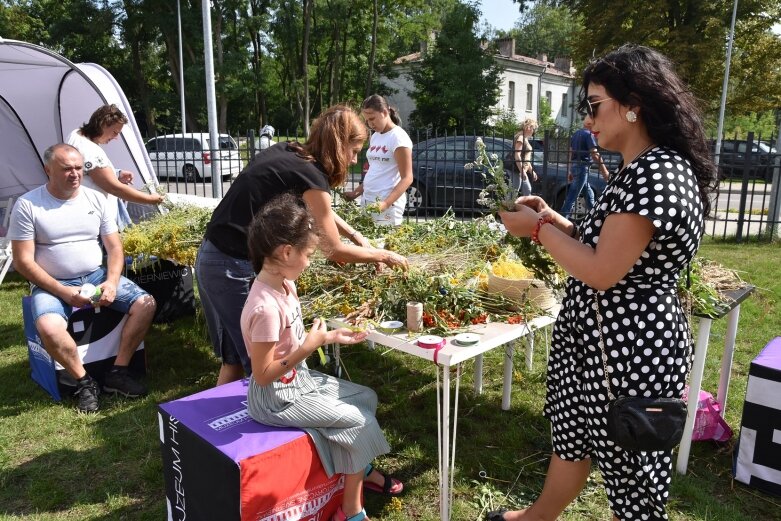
(181, 66)
(211, 98)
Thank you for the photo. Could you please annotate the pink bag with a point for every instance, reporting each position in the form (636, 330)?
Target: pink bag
(708, 424)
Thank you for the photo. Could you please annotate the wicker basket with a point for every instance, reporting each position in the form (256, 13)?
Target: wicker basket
(521, 290)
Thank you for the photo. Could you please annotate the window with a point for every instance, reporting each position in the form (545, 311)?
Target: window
(529, 96)
(549, 97)
(564, 108)
(151, 146)
(511, 96)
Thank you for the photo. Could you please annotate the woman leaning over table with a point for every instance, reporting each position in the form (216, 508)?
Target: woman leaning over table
(624, 261)
(390, 163)
(309, 170)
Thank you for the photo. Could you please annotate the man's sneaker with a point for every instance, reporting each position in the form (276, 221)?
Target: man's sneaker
(119, 381)
(88, 396)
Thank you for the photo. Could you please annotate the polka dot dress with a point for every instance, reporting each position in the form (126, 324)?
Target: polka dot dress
(644, 329)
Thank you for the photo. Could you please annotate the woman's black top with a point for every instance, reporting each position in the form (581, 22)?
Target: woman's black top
(276, 170)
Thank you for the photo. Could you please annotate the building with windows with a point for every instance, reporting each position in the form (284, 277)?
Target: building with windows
(525, 81)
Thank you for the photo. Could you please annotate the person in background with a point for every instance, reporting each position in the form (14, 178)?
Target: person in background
(307, 169)
(621, 297)
(338, 415)
(54, 235)
(266, 137)
(390, 163)
(523, 174)
(583, 152)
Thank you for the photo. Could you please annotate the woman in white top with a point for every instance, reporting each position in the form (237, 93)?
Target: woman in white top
(525, 174)
(390, 163)
(104, 126)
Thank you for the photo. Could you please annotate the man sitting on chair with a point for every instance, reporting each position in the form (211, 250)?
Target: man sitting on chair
(54, 234)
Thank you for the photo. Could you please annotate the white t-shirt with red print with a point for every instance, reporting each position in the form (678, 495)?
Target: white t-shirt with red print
(383, 174)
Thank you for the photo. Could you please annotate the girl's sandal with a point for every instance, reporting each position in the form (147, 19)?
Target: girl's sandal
(339, 515)
(391, 486)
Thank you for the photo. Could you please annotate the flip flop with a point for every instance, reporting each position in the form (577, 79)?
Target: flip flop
(339, 515)
(388, 484)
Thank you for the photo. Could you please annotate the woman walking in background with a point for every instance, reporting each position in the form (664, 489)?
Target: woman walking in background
(523, 174)
(390, 163)
(621, 329)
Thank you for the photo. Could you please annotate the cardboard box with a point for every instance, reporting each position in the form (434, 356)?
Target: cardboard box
(96, 333)
(218, 463)
(757, 456)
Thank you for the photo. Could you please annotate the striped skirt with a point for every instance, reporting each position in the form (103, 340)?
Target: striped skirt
(338, 415)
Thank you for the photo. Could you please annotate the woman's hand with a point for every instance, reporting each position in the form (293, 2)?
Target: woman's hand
(534, 175)
(346, 336)
(394, 259)
(521, 222)
(318, 334)
(125, 177)
(531, 201)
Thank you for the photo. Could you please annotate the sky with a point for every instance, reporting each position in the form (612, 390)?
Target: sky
(502, 14)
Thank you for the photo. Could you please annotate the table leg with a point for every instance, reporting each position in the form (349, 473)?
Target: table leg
(698, 367)
(529, 349)
(479, 374)
(508, 376)
(726, 357)
(338, 360)
(444, 458)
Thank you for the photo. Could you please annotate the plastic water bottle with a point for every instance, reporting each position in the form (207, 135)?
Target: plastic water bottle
(91, 292)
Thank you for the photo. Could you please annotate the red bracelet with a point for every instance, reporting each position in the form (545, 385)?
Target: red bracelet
(536, 231)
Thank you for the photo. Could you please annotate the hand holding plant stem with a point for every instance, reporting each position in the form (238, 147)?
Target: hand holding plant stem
(498, 194)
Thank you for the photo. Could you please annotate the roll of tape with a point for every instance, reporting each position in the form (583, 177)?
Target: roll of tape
(432, 342)
(466, 339)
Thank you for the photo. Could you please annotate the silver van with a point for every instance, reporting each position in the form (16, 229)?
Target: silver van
(190, 156)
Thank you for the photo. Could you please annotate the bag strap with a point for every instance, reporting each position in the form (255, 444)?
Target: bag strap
(602, 347)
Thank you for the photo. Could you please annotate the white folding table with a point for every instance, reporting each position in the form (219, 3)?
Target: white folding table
(732, 312)
(491, 336)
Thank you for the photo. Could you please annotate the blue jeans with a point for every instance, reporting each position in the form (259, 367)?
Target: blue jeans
(223, 285)
(579, 183)
(44, 302)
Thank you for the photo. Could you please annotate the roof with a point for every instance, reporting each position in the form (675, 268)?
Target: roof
(416, 57)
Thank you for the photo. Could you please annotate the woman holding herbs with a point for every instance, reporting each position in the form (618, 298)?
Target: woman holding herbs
(622, 330)
(310, 170)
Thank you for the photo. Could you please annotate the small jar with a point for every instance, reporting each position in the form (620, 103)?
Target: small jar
(414, 316)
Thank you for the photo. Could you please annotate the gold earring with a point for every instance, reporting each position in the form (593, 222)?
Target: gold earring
(631, 116)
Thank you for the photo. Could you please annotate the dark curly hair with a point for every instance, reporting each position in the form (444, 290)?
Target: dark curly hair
(640, 76)
(283, 220)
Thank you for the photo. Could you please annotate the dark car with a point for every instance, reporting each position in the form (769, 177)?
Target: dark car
(735, 160)
(440, 180)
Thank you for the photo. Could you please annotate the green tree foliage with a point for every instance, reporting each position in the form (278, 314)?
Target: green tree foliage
(547, 29)
(457, 82)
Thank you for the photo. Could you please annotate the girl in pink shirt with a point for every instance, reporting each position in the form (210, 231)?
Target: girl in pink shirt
(338, 415)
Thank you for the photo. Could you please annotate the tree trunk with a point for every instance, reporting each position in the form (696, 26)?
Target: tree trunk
(308, 7)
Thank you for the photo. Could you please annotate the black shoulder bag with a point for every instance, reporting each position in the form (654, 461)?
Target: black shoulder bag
(636, 423)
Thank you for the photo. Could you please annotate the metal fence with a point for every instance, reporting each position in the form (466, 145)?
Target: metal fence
(746, 204)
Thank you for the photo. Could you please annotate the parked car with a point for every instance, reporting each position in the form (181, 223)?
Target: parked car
(733, 157)
(190, 156)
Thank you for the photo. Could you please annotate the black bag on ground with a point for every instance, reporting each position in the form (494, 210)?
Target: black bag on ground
(635, 423)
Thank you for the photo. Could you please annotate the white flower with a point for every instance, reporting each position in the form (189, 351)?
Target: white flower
(494, 156)
(469, 166)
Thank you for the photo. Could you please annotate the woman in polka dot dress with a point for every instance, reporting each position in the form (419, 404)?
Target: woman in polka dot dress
(624, 261)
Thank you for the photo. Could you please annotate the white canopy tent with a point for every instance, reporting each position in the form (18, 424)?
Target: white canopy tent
(43, 97)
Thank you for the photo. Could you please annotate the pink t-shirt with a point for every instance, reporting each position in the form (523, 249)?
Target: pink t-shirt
(271, 316)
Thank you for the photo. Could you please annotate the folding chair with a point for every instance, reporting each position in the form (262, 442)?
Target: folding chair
(6, 255)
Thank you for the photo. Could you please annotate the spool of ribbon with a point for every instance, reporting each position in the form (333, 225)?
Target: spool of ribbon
(414, 316)
(432, 342)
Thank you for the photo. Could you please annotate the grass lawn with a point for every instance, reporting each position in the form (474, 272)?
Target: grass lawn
(59, 465)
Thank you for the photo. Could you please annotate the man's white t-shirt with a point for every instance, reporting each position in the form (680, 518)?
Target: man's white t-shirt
(383, 174)
(65, 232)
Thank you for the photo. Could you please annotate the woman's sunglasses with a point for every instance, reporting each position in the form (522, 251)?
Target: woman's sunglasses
(589, 108)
